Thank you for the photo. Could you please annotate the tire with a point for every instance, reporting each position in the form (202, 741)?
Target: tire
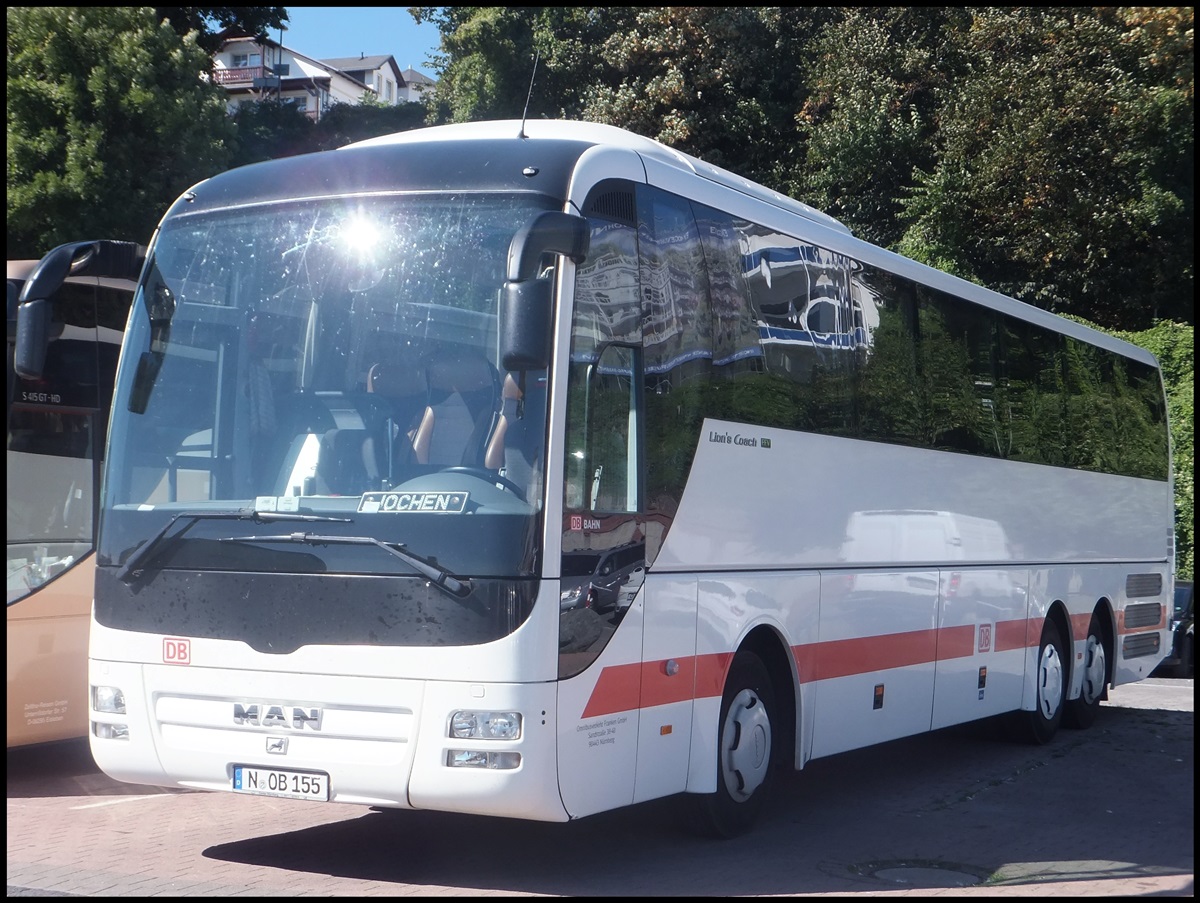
(1081, 713)
(1040, 726)
(744, 747)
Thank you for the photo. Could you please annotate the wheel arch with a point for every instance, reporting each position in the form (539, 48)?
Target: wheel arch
(1058, 614)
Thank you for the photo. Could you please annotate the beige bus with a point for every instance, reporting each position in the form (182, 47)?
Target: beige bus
(56, 430)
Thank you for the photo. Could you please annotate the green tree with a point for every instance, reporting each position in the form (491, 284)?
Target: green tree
(1063, 164)
(109, 120)
(871, 118)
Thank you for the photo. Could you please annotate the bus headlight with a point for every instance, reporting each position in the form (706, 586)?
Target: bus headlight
(110, 731)
(109, 700)
(473, 758)
(485, 725)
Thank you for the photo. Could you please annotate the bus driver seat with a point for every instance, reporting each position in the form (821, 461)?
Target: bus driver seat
(464, 402)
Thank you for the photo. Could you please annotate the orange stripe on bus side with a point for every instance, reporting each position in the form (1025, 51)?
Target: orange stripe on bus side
(956, 642)
(842, 658)
(616, 690)
(1014, 635)
(621, 688)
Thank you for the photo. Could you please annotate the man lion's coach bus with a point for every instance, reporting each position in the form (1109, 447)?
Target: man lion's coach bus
(56, 428)
(378, 408)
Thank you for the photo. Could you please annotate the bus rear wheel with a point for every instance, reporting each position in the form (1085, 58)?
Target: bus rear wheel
(1081, 713)
(744, 746)
(1040, 725)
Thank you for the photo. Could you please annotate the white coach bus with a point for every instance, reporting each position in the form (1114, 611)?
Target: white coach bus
(375, 406)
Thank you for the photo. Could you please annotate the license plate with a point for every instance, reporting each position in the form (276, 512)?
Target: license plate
(294, 785)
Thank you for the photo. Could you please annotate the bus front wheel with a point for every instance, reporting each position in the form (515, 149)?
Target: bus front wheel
(744, 746)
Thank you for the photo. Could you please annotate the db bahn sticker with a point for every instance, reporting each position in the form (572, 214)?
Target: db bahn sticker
(413, 502)
(177, 651)
(985, 637)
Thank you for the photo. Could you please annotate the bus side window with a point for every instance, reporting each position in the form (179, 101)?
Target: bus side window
(612, 433)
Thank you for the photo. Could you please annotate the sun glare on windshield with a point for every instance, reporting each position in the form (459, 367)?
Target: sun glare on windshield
(360, 236)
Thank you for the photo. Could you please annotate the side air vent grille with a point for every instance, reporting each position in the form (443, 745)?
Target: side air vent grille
(1140, 586)
(1140, 645)
(607, 201)
(1144, 614)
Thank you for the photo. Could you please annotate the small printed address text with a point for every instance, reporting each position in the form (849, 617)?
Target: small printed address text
(603, 731)
(45, 712)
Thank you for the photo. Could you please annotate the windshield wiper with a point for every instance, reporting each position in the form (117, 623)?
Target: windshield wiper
(440, 577)
(130, 569)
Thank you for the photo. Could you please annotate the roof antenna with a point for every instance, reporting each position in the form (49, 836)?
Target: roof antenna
(525, 113)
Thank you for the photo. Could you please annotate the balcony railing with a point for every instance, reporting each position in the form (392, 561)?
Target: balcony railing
(240, 75)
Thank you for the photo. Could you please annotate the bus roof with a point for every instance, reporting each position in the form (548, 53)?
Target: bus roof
(595, 133)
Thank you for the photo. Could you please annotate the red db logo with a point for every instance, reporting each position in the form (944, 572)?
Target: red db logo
(177, 652)
(985, 637)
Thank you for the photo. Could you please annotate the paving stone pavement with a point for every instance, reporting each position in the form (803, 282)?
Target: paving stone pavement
(72, 831)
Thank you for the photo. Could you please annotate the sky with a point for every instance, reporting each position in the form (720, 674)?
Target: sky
(327, 32)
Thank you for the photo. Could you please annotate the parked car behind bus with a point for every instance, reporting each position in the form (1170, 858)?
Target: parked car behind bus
(1182, 660)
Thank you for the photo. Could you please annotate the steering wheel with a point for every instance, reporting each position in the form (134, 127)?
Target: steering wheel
(484, 474)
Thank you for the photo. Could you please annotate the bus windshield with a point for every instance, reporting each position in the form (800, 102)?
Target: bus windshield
(337, 361)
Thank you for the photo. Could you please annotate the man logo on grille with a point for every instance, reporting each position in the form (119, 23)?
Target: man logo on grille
(276, 716)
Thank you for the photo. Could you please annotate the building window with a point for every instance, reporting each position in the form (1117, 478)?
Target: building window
(245, 60)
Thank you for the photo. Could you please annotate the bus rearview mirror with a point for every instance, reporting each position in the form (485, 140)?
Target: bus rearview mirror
(525, 325)
(32, 339)
(119, 259)
(526, 302)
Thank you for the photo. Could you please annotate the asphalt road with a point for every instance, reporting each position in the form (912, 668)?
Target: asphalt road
(961, 812)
